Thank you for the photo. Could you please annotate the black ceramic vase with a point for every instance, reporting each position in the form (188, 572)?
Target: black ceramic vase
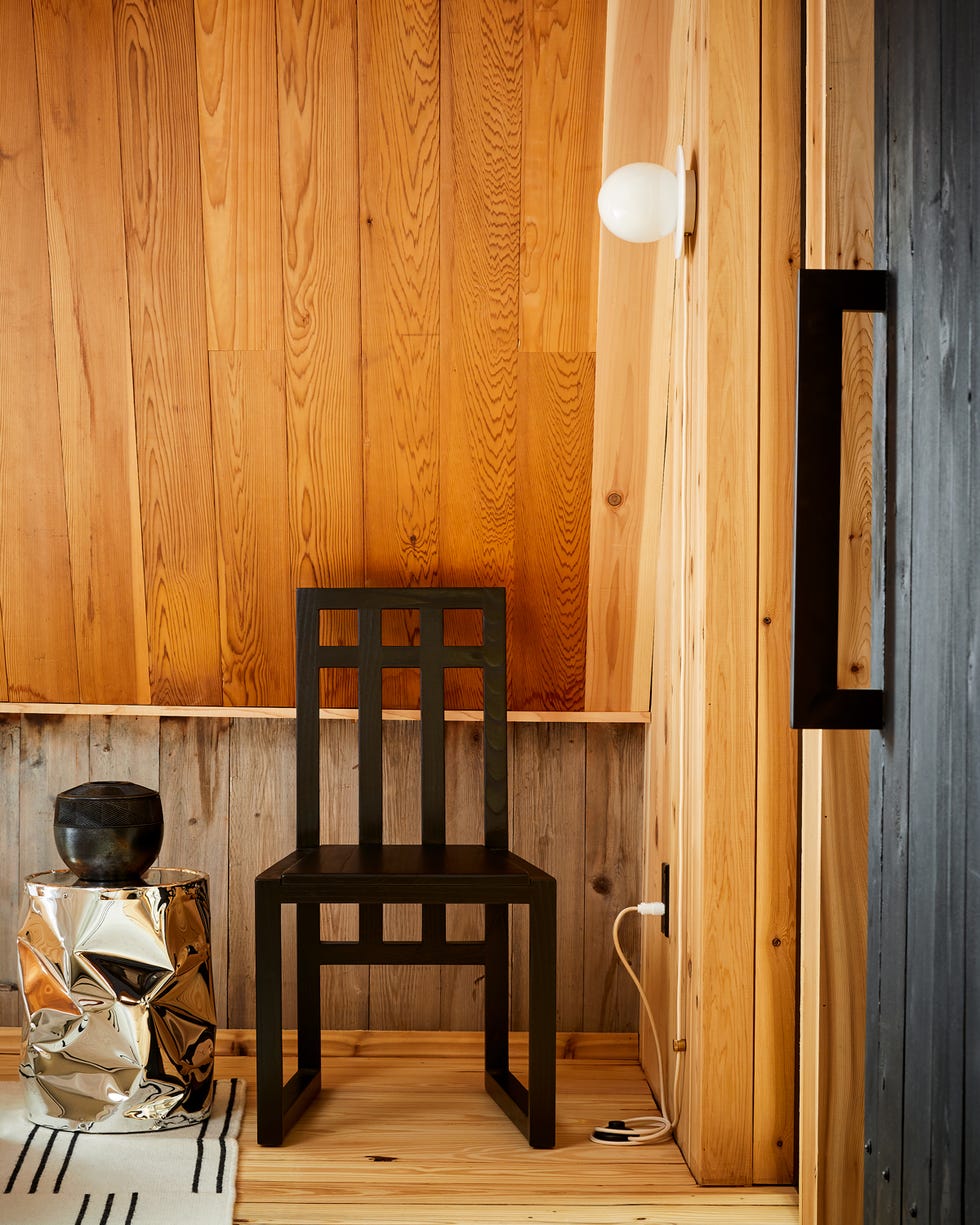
(108, 833)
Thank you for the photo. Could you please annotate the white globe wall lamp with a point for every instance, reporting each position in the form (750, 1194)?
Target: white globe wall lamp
(644, 202)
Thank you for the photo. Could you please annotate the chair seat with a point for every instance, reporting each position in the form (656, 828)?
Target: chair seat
(404, 872)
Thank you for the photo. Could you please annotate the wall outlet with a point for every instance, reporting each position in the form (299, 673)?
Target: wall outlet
(665, 898)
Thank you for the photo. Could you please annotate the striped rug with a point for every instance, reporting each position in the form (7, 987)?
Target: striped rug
(185, 1176)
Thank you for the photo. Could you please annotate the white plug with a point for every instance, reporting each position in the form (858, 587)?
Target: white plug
(656, 908)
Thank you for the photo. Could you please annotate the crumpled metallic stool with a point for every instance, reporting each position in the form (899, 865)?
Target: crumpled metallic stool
(116, 983)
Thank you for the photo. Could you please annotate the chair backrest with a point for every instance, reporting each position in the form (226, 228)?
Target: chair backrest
(431, 656)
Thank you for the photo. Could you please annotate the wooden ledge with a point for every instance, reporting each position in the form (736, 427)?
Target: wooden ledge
(288, 712)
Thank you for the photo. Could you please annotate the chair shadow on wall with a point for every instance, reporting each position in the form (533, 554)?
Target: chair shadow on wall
(432, 873)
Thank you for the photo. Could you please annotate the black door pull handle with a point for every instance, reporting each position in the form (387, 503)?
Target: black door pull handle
(815, 699)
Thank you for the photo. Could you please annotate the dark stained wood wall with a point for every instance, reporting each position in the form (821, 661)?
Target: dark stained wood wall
(293, 293)
(923, 1052)
(227, 785)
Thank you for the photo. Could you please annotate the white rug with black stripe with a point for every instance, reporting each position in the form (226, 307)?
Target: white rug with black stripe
(180, 1177)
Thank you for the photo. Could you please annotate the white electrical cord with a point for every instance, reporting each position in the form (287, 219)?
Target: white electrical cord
(655, 1129)
(642, 1129)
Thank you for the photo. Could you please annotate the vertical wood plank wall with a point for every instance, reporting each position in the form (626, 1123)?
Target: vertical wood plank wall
(227, 785)
(834, 816)
(721, 759)
(292, 293)
(357, 324)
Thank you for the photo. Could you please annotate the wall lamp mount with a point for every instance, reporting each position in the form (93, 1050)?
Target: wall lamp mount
(644, 202)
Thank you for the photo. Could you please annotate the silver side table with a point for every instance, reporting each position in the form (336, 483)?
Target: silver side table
(119, 1001)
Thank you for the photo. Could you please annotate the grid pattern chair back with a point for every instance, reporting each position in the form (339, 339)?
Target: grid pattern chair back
(431, 656)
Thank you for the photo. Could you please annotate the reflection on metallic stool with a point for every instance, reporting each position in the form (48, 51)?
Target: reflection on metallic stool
(116, 984)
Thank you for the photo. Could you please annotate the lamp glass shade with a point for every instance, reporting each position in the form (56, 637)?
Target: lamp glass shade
(639, 202)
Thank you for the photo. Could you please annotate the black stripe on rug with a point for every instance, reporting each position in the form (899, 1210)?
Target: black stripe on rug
(132, 1208)
(82, 1211)
(107, 1211)
(43, 1162)
(220, 1179)
(64, 1164)
(20, 1161)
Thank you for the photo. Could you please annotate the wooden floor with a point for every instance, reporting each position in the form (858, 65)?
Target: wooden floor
(405, 1135)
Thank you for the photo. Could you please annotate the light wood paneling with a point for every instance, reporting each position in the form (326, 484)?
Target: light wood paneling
(481, 166)
(261, 830)
(124, 750)
(54, 755)
(774, 1115)
(398, 84)
(83, 199)
(10, 881)
(250, 478)
(613, 860)
(397, 989)
(548, 765)
(236, 74)
(345, 990)
(228, 792)
(548, 636)
(346, 190)
(840, 190)
(37, 630)
(159, 151)
(318, 158)
(723, 487)
(461, 1005)
(646, 59)
(194, 790)
(563, 84)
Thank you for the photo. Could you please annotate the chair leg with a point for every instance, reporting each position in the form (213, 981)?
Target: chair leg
(542, 1019)
(308, 1022)
(496, 989)
(268, 1013)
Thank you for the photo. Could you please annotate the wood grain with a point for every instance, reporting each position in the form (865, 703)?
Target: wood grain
(643, 122)
(345, 990)
(194, 769)
(159, 150)
(775, 1108)
(564, 46)
(83, 200)
(54, 755)
(613, 863)
(548, 761)
(10, 880)
(398, 87)
(480, 191)
(227, 786)
(250, 477)
(461, 995)
(840, 165)
(350, 187)
(723, 485)
(550, 605)
(854, 572)
(318, 160)
(395, 989)
(125, 749)
(261, 830)
(236, 89)
(459, 1157)
(37, 651)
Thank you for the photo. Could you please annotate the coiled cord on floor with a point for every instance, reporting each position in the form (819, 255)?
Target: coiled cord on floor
(641, 1129)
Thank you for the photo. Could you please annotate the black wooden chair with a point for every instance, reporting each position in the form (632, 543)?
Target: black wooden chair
(432, 873)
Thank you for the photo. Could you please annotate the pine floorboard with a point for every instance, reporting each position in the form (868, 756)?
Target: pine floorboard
(404, 1134)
